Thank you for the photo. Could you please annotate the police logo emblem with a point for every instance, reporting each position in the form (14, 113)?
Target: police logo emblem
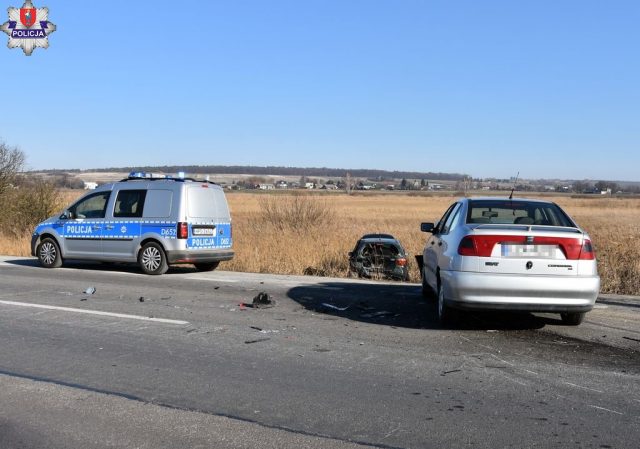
(28, 27)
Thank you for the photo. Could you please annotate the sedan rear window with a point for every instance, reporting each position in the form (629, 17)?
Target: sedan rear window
(517, 212)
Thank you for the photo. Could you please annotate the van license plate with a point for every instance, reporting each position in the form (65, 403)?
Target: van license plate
(208, 232)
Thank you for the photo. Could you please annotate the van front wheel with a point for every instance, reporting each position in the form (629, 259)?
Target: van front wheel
(49, 254)
(206, 266)
(152, 259)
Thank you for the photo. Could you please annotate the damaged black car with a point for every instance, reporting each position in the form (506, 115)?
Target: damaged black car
(379, 256)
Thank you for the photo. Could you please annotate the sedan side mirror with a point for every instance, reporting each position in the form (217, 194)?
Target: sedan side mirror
(426, 227)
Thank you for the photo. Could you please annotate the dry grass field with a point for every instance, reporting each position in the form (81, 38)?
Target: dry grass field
(307, 233)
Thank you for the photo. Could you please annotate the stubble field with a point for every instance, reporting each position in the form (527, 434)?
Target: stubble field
(291, 233)
(264, 244)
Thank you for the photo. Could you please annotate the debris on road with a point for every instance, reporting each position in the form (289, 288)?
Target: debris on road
(141, 299)
(89, 291)
(380, 314)
(264, 331)
(257, 340)
(331, 306)
(450, 372)
(632, 339)
(261, 301)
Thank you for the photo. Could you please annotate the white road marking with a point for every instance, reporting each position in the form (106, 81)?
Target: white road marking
(202, 278)
(93, 312)
(606, 409)
(584, 388)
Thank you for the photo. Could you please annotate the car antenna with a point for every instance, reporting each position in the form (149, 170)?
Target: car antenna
(514, 186)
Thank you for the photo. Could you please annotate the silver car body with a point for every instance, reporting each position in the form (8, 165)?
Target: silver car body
(514, 262)
(113, 222)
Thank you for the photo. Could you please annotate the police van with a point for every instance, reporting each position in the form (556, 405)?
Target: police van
(149, 219)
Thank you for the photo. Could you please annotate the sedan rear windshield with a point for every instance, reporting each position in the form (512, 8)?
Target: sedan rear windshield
(517, 212)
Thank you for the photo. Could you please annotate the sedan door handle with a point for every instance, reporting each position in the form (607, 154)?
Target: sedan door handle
(97, 227)
(109, 226)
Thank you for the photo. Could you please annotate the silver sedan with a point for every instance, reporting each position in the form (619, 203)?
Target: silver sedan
(509, 254)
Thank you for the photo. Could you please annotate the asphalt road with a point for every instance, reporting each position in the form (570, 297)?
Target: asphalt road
(177, 361)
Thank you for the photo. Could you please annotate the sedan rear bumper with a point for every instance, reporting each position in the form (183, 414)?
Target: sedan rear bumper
(469, 290)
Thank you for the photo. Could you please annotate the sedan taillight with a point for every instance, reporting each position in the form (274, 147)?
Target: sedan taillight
(467, 247)
(401, 262)
(587, 252)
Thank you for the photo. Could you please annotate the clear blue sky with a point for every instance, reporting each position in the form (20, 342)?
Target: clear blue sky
(547, 88)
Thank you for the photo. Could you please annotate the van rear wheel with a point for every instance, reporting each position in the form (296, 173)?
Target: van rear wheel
(152, 259)
(206, 266)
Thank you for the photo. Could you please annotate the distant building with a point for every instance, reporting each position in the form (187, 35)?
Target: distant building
(282, 185)
(90, 185)
(309, 185)
(266, 186)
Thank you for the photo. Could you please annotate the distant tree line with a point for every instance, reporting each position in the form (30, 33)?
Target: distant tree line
(322, 172)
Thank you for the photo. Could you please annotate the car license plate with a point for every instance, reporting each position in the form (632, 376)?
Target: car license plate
(537, 251)
(205, 232)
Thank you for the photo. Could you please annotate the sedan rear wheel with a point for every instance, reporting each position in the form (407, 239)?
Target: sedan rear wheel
(152, 259)
(572, 318)
(446, 315)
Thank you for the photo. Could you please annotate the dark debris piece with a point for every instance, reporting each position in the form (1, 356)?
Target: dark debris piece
(261, 301)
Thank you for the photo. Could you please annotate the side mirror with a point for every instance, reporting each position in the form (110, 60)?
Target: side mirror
(350, 253)
(66, 215)
(426, 227)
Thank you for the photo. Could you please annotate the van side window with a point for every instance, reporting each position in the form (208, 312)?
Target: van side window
(93, 206)
(129, 203)
(158, 204)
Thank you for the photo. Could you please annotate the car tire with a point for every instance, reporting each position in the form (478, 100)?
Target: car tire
(427, 291)
(446, 315)
(49, 253)
(152, 259)
(572, 318)
(206, 266)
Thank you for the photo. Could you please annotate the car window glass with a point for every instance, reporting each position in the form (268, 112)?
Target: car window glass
(158, 204)
(516, 212)
(93, 206)
(449, 220)
(440, 223)
(129, 203)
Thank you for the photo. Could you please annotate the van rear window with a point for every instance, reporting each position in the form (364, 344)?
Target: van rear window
(202, 202)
